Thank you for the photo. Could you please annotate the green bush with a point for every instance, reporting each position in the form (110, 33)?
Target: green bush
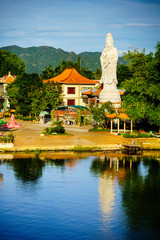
(7, 139)
(136, 135)
(59, 129)
(129, 135)
(143, 135)
(27, 118)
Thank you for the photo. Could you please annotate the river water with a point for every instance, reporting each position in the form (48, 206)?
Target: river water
(79, 196)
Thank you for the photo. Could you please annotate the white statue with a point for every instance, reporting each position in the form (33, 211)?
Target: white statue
(109, 59)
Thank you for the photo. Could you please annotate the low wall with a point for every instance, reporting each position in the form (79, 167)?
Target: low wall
(6, 145)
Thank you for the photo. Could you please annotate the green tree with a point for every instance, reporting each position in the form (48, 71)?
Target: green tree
(98, 113)
(51, 72)
(52, 97)
(10, 62)
(87, 73)
(20, 92)
(12, 93)
(47, 73)
(123, 72)
(97, 74)
(142, 96)
(27, 94)
(157, 58)
(38, 102)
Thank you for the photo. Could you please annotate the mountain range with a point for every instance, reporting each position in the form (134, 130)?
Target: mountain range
(37, 58)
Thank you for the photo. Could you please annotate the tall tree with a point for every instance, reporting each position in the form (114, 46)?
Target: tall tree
(98, 113)
(97, 74)
(27, 94)
(10, 62)
(123, 72)
(51, 72)
(142, 96)
(23, 86)
(52, 95)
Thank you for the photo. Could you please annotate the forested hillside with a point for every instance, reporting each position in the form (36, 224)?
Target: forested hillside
(37, 58)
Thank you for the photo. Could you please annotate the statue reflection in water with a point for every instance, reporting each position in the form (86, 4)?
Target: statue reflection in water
(111, 171)
(1, 178)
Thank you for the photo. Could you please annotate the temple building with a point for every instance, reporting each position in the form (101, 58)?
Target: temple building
(92, 95)
(4, 81)
(73, 84)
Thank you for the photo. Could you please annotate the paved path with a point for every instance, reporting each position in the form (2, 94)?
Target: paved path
(28, 137)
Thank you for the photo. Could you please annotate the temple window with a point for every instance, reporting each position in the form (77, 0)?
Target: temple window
(71, 90)
(70, 102)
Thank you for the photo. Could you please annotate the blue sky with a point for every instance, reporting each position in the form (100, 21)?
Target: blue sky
(80, 25)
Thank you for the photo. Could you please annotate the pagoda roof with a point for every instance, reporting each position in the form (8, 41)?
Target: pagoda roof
(7, 78)
(121, 91)
(96, 91)
(113, 115)
(118, 115)
(123, 116)
(71, 76)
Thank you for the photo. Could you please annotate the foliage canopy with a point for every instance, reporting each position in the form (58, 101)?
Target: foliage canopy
(28, 95)
(142, 90)
(10, 62)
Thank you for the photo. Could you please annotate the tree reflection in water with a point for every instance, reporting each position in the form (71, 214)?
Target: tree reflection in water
(27, 169)
(31, 169)
(141, 194)
(139, 182)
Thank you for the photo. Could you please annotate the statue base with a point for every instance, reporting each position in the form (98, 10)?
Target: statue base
(112, 96)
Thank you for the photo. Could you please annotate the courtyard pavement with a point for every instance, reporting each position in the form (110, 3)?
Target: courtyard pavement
(29, 137)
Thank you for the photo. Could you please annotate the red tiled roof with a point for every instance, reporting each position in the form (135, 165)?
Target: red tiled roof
(7, 78)
(71, 76)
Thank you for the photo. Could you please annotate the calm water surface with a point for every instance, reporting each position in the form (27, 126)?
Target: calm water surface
(79, 197)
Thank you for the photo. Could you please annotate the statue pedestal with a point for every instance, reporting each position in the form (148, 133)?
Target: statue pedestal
(110, 95)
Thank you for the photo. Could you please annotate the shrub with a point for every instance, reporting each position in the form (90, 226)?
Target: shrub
(136, 135)
(143, 135)
(130, 135)
(7, 139)
(59, 129)
(50, 130)
(45, 131)
(10, 137)
(99, 129)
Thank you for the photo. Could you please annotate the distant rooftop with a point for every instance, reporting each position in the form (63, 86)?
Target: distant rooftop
(7, 78)
(71, 76)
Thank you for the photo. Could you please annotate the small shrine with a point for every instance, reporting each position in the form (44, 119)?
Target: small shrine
(117, 117)
(12, 123)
